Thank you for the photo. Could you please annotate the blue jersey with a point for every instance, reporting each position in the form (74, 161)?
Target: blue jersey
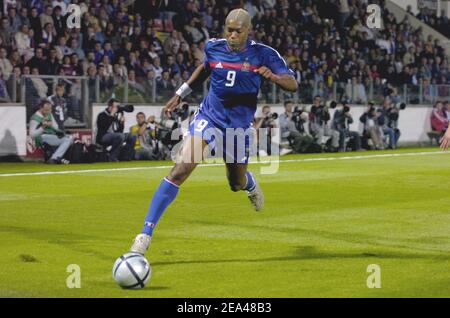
(232, 97)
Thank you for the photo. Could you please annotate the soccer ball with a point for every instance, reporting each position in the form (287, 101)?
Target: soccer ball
(131, 270)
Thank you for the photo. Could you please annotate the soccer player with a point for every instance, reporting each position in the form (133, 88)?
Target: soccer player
(237, 66)
(445, 141)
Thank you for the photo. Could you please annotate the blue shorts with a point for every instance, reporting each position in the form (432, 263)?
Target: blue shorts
(233, 144)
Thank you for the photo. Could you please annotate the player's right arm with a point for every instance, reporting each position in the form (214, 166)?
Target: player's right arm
(200, 75)
(445, 141)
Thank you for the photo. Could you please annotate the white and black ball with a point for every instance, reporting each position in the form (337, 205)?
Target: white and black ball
(132, 270)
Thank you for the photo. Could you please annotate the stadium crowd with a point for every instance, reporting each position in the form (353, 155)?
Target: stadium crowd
(159, 43)
(156, 45)
(439, 23)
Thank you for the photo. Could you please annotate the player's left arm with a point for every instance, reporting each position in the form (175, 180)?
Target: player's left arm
(285, 81)
(200, 74)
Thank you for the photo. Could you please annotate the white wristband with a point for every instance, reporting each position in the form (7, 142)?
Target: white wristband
(184, 90)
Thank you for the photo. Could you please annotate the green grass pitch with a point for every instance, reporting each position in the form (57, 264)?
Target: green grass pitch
(324, 222)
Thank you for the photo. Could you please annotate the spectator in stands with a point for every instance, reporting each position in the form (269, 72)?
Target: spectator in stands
(59, 105)
(106, 77)
(6, 32)
(326, 39)
(157, 67)
(132, 82)
(172, 43)
(440, 24)
(344, 12)
(59, 21)
(164, 85)
(23, 43)
(61, 4)
(14, 20)
(46, 17)
(37, 84)
(171, 66)
(45, 130)
(38, 61)
(6, 67)
(35, 22)
(4, 96)
(16, 59)
(75, 48)
(23, 16)
(53, 64)
(62, 49)
(48, 36)
(359, 91)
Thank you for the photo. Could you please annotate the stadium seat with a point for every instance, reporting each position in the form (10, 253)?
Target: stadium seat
(168, 25)
(158, 25)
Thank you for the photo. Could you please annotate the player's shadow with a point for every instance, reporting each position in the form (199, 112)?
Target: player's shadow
(73, 241)
(380, 241)
(310, 253)
(148, 287)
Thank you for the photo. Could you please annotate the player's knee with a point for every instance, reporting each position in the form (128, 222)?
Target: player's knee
(235, 186)
(178, 176)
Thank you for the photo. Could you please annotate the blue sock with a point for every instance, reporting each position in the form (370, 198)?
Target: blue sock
(251, 183)
(165, 194)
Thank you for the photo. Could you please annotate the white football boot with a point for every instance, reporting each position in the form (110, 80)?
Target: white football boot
(141, 243)
(256, 197)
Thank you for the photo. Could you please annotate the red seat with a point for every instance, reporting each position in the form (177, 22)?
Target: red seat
(168, 25)
(158, 24)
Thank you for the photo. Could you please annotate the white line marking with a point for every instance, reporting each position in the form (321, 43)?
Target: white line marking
(43, 173)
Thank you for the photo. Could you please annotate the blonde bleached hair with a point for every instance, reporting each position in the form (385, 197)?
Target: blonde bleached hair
(240, 15)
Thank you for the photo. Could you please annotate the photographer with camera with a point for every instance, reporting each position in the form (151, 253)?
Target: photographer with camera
(110, 126)
(170, 122)
(319, 117)
(267, 121)
(389, 121)
(44, 130)
(292, 128)
(341, 123)
(146, 146)
(372, 128)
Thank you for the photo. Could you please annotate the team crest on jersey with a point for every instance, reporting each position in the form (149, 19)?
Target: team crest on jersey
(245, 66)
